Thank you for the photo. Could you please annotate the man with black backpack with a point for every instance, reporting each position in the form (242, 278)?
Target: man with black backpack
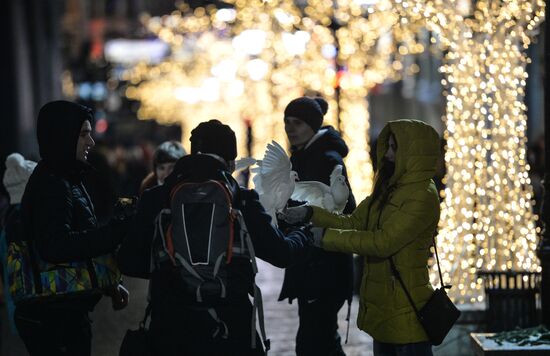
(196, 238)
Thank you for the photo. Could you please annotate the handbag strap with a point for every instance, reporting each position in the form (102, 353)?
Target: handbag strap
(147, 313)
(149, 304)
(394, 269)
(439, 266)
(398, 276)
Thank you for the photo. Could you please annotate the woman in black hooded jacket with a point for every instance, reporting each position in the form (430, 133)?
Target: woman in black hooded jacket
(324, 280)
(60, 225)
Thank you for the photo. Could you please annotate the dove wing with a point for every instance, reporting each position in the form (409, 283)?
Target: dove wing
(275, 167)
(311, 192)
(275, 174)
(336, 172)
(244, 163)
(257, 178)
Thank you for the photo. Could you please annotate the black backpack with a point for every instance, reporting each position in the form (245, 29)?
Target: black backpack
(199, 233)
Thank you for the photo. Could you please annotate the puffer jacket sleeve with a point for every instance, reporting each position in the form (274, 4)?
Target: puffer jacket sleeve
(56, 241)
(418, 213)
(353, 221)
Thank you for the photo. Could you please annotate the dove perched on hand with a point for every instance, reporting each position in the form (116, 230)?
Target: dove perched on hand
(332, 198)
(274, 180)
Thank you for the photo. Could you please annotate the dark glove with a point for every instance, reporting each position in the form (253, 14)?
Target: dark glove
(297, 215)
(317, 236)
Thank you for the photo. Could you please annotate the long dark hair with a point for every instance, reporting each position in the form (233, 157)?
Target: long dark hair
(382, 178)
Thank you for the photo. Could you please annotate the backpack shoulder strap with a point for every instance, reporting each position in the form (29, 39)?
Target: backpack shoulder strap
(257, 306)
(232, 185)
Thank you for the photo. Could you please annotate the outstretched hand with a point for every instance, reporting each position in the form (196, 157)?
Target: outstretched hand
(296, 215)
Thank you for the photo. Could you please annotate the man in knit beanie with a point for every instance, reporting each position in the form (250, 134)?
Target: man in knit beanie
(323, 281)
(214, 138)
(18, 171)
(303, 119)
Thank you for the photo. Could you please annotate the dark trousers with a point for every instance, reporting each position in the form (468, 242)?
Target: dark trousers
(193, 332)
(318, 330)
(52, 332)
(414, 349)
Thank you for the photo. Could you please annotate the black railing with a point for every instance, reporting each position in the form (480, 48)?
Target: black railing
(511, 299)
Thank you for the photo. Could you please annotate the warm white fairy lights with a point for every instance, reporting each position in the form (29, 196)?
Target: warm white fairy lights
(280, 52)
(487, 221)
(244, 64)
(372, 46)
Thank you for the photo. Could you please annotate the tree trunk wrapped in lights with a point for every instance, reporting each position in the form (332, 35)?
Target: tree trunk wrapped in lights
(487, 221)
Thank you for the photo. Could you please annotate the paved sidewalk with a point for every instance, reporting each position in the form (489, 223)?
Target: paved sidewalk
(281, 320)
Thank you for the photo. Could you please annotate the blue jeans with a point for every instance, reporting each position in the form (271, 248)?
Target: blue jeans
(416, 349)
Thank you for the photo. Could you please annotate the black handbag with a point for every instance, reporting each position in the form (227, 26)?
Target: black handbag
(137, 342)
(439, 314)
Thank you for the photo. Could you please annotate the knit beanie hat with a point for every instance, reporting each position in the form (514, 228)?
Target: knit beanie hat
(309, 110)
(18, 172)
(214, 137)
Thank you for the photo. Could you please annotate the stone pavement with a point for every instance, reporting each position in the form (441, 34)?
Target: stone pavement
(281, 320)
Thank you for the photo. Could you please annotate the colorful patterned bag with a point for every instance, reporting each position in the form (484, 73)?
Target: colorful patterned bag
(32, 279)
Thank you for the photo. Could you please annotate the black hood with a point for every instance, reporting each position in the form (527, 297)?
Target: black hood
(330, 140)
(58, 129)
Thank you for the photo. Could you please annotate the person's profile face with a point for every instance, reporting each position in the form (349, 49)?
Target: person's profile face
(85, 141)
(297, 131)
(392, 148)
(163, 170)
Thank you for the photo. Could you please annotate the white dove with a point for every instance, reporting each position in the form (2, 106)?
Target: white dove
(333, 198)
(274, 180)
(244, 163)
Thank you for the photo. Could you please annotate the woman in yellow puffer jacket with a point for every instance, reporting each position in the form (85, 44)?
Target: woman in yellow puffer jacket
(397, 220)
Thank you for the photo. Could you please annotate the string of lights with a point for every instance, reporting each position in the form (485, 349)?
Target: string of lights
(279, 53)
(487, 221)
(244, 63)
